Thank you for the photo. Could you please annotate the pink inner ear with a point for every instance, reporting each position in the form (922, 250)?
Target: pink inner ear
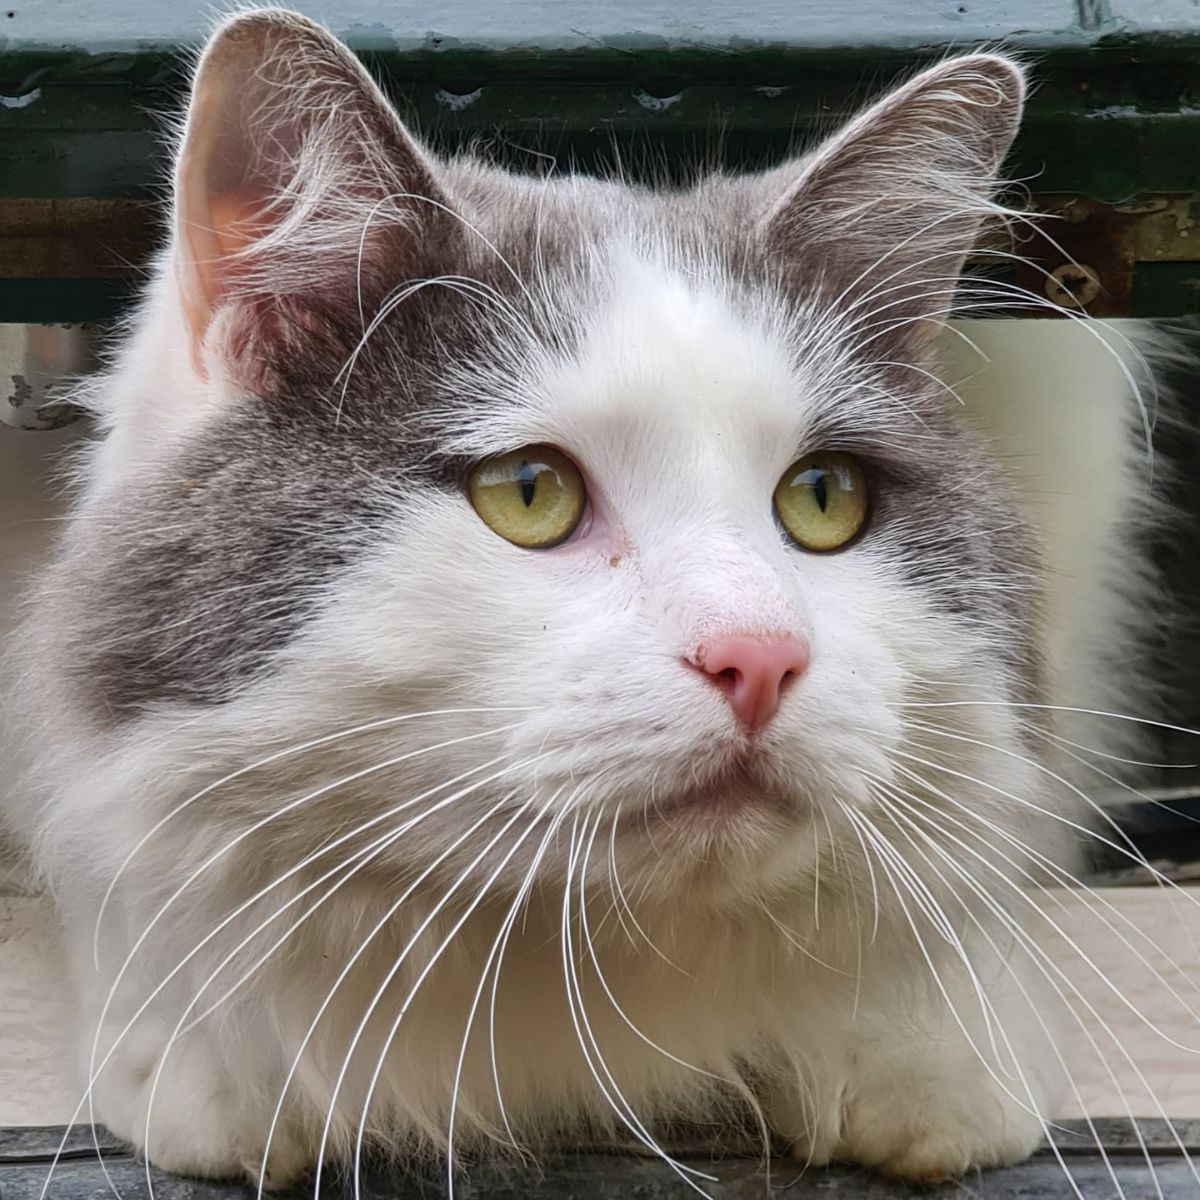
(234, 220)
(275, 94)
(237, 219)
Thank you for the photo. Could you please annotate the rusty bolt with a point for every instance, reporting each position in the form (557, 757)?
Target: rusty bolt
(1073, 285)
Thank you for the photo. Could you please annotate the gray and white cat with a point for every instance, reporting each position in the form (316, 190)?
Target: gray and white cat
(540, 660)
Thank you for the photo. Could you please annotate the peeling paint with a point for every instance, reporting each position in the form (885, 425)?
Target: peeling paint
(37, 365)
(22, 101)
(656, 103)
(21, 395)
(1181, 112)
(457, 101)
(24, 408)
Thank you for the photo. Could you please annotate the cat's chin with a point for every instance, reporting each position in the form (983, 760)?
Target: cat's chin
(738, 792)
(719, 840)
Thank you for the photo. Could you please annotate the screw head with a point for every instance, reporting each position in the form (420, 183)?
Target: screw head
(1073, 285)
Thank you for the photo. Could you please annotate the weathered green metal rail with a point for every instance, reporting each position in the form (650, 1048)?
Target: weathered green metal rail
(1112, 137)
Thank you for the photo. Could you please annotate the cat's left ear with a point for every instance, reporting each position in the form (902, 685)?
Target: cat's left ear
(299, 196)
(885, 212)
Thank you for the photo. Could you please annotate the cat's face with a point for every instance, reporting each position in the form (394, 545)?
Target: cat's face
(506, 452)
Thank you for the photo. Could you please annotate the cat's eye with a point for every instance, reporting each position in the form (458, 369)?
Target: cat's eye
(822, 501)
(533, 497)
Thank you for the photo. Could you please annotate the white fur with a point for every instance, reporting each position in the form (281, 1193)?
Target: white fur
(697, 548)
(1070, 407)
(760, 955)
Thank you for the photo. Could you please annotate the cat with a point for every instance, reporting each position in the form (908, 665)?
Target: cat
(545, 660)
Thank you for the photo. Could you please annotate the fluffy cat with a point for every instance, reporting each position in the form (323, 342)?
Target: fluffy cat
(543, 660)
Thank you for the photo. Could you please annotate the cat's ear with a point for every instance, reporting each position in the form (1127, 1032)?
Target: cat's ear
(885, 212)
(297, 190)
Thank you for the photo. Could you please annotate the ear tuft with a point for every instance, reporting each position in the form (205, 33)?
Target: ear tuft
(295, 183)
(896, 199)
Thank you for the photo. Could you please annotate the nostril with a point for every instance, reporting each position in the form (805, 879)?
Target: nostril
(752, 672)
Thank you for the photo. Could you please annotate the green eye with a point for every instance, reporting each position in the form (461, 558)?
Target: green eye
(822, 501)
(533, 497)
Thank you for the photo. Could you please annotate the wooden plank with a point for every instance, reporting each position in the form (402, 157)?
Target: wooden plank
(75, 238)
(1088, 262)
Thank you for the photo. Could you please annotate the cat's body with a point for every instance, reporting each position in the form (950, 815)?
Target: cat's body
(280, 660)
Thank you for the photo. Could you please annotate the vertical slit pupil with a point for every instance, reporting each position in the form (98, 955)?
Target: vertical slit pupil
(820, 491)
(527, 479)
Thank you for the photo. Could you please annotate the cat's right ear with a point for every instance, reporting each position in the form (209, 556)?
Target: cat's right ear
(882, 215)
(298, 194)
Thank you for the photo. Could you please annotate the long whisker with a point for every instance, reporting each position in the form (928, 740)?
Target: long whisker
(496, 957)
(793, 940)
(987, 1008)
(364, 945)
(1116, 758)
(1007, 923)
(1081, 890)
(1017, 297)
(615, 878)
(1140, 859)
(325, 849)
(586, 1038)
(591, 949)
(276, 756)
(1014, 928)
(1132, 849)
(1171, 898)
(457, 283)
(898, 871)
(345, 870)
(617, 906)
(422, 975)
(378, 847)
(1066, 708)
(93, 1069)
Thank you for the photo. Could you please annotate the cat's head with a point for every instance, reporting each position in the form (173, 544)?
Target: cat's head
(639, 511)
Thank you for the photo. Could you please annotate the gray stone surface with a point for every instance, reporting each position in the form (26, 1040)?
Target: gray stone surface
(1120, 1169)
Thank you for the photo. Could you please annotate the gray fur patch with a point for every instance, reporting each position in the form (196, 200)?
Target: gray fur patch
(198, 575)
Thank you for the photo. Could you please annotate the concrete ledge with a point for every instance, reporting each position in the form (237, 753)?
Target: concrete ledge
(1104, 1162)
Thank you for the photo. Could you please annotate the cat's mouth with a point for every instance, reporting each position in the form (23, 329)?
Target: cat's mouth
(736, 787)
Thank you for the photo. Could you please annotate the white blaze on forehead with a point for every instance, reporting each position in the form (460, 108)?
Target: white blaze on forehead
(672, 365)
(684, 405)
(680, 350)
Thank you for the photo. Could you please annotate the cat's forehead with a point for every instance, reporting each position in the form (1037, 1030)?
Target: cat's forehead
(661, 320)
(663, 348)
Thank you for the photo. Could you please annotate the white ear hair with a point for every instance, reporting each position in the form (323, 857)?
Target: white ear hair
(896, 198)
(295, 176)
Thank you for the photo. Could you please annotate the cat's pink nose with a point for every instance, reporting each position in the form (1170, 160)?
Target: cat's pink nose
(752, 673)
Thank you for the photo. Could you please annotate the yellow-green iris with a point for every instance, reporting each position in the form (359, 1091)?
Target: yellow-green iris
(532, 497)
(822, 500)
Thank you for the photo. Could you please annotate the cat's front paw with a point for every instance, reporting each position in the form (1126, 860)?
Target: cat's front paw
(921, 1127)
(187, 1117)
(925, 1133)
(937, 1138)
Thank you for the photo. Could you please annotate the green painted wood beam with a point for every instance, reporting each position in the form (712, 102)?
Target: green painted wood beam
(663, 85)
(560, 33)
